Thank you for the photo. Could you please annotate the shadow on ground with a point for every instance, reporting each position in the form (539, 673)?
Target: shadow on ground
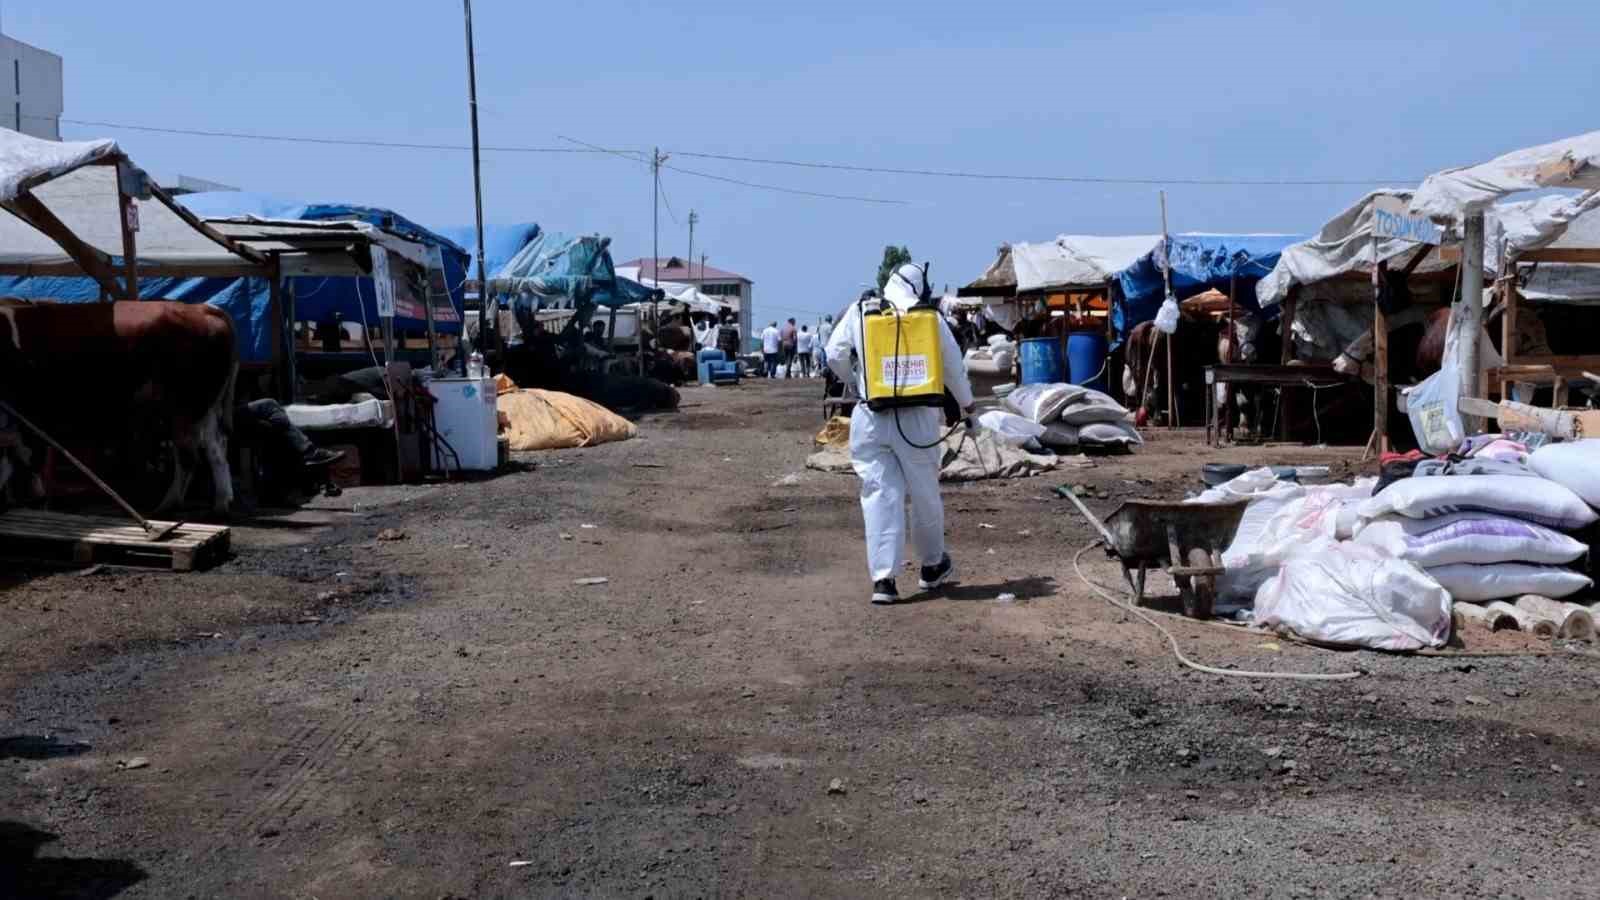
(23, 873)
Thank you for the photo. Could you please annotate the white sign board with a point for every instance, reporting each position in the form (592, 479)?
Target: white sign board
(382, 282)
(1392, 219)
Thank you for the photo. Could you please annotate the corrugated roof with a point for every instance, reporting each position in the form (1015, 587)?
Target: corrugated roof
(673, 269)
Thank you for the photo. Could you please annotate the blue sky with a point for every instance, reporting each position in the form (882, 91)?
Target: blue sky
(1167, 90)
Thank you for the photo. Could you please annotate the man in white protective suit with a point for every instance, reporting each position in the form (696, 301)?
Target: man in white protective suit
(897, 461)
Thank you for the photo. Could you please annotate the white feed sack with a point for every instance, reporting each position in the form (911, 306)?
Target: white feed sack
(1478, 538)
(1043, 403)
(1575, 466)
(1353, 595)
(1478, 584)
(1093, 407)
(1534, 499)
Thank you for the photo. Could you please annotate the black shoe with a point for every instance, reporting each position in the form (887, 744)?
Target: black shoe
(933, 576)
(884, 592)
(322, 456)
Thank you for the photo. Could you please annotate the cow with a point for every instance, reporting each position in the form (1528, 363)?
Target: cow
(99, 371)
(1193, 348)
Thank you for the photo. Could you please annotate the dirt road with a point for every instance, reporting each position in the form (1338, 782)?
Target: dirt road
(450, 715)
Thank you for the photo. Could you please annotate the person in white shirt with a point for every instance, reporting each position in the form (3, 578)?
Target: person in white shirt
(897, 452)
(705, 333)
(769, 349)
(824, 331)
(803, 348)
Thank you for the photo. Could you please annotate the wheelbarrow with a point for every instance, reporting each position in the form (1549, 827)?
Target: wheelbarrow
(1186, 538)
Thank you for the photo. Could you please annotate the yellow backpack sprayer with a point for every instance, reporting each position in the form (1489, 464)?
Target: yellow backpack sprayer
(903, 360)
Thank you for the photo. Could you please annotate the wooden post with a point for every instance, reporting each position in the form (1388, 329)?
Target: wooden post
(1286, 331)
(1380, 364)
(1508, 322)
(289, 391)
(1166, 280)
(130, 252)
(1172, 415)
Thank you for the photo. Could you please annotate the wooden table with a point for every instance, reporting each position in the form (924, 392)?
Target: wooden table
(1304, 376)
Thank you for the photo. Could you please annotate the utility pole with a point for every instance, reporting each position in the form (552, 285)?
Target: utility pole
(477, 184)
(656, 159)
(689, 260)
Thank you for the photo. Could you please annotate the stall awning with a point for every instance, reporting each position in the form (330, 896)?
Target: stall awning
(66, 219)
(1199, 262)
(1569, 163)
(1344, 246)
(1070, 262)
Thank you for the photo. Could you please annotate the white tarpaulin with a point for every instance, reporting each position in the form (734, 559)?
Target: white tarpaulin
(1343, 246)
(1570, 163)
(1077, 260)
(1562, 283)
(28, 161)
(85, 200)
(1543, 223)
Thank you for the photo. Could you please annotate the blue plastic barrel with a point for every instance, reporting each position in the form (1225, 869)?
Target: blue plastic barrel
(1041, 361)
(1086, 359)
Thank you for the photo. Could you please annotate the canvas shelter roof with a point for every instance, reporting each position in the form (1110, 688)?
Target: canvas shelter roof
(1343, 246)
(1572, 162)
(76, 182)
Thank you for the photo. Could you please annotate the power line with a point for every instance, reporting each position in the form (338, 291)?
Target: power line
(667, 203)
(301, 139)
(1067, 179)
(628, 154)
(753, 160)
(786, 190)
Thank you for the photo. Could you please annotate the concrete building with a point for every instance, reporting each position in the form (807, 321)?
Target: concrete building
(33, 80)
(732, 286)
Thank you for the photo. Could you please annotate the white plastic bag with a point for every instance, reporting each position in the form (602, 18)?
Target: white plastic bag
(1575, 466)
(1012, 430)
(1469, 538)
(1432, 405)
(1535, 499)
(1043, 403)
(1353, 595)
(1167, 316)
(1477, 584)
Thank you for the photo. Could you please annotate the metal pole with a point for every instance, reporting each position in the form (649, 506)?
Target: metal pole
(477, 176)
(1471, 310)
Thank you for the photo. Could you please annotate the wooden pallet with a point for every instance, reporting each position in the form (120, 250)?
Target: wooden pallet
(104, 538)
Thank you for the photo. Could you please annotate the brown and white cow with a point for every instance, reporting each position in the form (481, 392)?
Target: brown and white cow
(99, 370)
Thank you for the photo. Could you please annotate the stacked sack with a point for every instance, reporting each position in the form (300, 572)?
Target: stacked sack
(996, 359)
(1484, 529)
(1074, 416)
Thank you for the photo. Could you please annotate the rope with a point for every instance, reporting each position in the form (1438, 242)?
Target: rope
(1077, 565)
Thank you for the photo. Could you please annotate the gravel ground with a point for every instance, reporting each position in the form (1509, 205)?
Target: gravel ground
(448, 714)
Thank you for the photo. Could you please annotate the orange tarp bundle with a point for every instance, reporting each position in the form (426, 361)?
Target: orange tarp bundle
(550, 420)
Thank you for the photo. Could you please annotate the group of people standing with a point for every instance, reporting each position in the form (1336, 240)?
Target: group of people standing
(784, 347)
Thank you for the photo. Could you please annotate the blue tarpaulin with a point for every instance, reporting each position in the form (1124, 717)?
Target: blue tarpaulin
(1200, 262)
(500, 242)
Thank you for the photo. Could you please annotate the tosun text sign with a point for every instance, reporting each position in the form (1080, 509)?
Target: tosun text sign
(1391, 219)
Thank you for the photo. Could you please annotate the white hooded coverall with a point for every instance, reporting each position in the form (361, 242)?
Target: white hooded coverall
(890, 468)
